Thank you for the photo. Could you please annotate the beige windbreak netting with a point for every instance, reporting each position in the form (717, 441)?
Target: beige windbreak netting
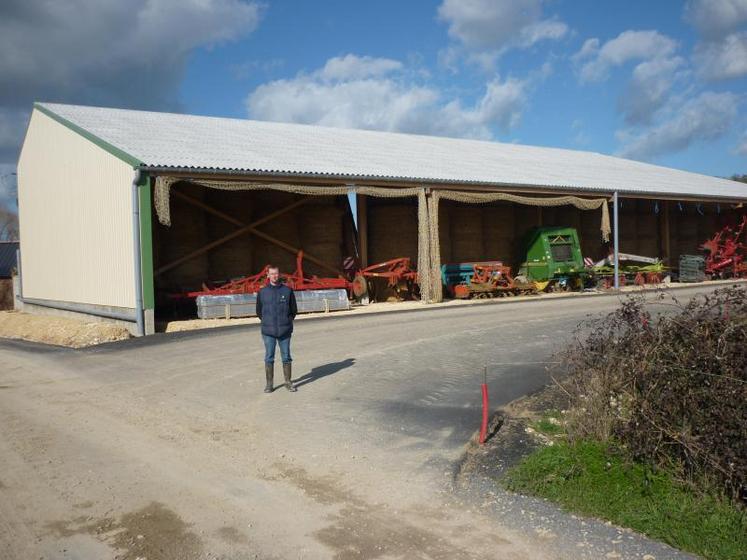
(429, 254)
(163, 186)
(485, 198)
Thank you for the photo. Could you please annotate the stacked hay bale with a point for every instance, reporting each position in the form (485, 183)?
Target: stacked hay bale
(691, 225)
(525, 219)
(709, 223)
(549, 216)
(590, 234)
(647, 228)
(627, 224)
(283, 228)
(466, 233)
(685, 231)
(498, 233)
(321, 229)
(233, 258)
(187, 233)
(569, 216)
(392, 230)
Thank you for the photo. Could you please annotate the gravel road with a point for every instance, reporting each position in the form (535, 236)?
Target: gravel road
(166, 447)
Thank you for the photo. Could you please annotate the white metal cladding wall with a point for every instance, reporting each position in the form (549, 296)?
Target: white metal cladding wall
(75, 212)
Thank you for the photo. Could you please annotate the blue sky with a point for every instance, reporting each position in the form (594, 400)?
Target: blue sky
(663, 81)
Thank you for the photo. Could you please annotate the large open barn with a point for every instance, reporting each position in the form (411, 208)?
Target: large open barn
(123, 212)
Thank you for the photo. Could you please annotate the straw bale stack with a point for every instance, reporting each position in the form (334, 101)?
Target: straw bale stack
(392, 232)
(320, 225)
(233, 258)
(466, 233)
(592, 244)
(498, 232)
(186, 234)
(284, 228)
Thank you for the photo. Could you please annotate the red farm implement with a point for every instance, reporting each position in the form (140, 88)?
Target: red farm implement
(296, 281)
(391, 279)
(725, 253)
(484, 280)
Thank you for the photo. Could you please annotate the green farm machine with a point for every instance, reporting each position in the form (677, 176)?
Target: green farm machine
(553, 259)
(552, 262)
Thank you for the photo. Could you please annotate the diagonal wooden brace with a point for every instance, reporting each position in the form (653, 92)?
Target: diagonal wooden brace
(243, 229)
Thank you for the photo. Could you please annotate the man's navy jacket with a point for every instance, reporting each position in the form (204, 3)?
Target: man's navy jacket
(276, 308)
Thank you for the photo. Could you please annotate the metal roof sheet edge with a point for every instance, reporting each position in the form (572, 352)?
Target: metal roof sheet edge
(614, 163)
(100, 142)
(427, 182)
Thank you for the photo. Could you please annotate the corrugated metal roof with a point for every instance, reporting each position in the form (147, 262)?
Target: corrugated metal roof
(209, 143)
(7, 257)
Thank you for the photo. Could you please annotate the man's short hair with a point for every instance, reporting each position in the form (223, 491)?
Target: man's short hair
(272, 267)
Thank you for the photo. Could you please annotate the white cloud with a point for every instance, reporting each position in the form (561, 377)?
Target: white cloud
(497, 25)
(501, 106)
(715, 18)
(542, 30)
(708, 116)
(364, 103)
(356, 67)
(724, 59)
(648, 89)
(590, 48)
(125, 54)
(387, 100)
(484, 60)
(722, 52)
(122, 52)
(652, 77)
(448, 58)
(626, 47)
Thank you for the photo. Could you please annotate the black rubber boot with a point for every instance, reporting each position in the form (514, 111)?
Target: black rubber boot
(268, 376)
(287, 373)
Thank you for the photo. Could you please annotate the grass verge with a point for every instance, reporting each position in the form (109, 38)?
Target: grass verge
(592, 479)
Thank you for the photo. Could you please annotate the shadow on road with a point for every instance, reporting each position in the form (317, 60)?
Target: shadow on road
(323, 371)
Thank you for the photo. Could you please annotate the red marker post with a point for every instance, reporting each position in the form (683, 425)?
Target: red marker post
(485, 406)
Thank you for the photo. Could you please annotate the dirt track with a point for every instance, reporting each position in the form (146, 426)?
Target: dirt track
(166, 450)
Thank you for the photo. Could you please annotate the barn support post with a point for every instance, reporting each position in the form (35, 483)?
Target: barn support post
(616, 239)
(146, 253)
(426, 261)
(664, 232)
(137, 253)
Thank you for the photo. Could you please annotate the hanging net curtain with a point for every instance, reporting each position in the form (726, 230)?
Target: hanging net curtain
(486, 198)
(429, 253)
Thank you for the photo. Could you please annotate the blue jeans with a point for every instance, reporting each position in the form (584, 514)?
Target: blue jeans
(285, 348)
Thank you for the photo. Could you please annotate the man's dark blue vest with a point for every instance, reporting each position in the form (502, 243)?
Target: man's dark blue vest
(274, 302)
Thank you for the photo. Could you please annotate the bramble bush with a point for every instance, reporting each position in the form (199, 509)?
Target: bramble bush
(670, 389)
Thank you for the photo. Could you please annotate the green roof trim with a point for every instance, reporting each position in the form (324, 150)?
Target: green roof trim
(103, 144)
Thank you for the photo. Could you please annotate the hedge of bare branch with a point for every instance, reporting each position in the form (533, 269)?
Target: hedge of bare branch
(668, 381)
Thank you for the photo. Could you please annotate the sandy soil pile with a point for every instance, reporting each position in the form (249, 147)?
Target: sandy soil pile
(62, 331)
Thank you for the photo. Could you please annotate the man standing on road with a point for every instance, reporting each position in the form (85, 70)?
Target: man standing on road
(276, 308)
